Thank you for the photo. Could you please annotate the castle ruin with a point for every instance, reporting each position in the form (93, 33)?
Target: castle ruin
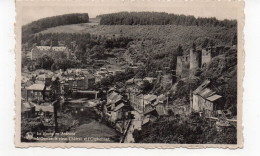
(187, 65)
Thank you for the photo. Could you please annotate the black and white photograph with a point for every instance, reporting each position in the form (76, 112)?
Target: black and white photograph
(167, 74)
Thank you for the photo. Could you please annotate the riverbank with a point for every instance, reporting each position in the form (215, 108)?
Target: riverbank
(91, 128)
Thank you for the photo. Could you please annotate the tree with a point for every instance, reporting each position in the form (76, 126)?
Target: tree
(194, 46)
(45, 62)
(141, 73)
(211, 43)
(146, 87)
(183, 132)
(179, 51)
(55, 97)
(205, 43)
(25, 61)
(98, 52)
(161, 18)
(42, 24)
(65, 64)
(107, 82)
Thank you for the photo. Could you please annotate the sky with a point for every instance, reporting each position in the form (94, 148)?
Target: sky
(35, 11)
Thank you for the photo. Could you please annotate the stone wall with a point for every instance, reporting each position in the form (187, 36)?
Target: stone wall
(195, 60)
(182, 66)
(206, 56)
(187, 65)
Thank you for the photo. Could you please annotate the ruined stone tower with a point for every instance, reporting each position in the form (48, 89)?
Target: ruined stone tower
(182, 68)
(179, 67)
(188, 65)
(206, 56)
(195, 60)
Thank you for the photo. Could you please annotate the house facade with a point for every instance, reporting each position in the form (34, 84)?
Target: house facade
(80, 83)
(56, 52)
(205, 100)
(37, 92)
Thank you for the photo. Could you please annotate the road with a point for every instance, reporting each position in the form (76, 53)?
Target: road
(136, 124)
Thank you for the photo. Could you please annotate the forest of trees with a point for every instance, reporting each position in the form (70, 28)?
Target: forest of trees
(81, 40)
(84, 46)
(193, 130)
(161, 18)
(42, 24)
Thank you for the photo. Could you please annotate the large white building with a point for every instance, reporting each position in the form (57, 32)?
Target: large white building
(55, 52)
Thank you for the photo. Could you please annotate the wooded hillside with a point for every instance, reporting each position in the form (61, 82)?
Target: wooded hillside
(54, 21)
(161, 18)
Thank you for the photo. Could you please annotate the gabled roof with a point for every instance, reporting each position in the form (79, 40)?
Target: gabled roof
(36, 86)
(134, 80)
(44, 108)
(206, 92)
(151, 111)
(150, 97)
(130, 80)
(119, 106)
(114, 97)
(149, 78)
(111, 89)
(145, 120)
(26, 106)
(214, 97)
(162, 97)
(160, 112)
(117, 98)
(201, 87)
(42, 76)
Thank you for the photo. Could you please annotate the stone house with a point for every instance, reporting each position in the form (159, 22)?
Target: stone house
(161, 105)
(27, 109)
(37, 92)
(205, 100)
(143, 103)
(55, 52)
(120, 111)
(45, 109)
(81, 83)
(113, 99)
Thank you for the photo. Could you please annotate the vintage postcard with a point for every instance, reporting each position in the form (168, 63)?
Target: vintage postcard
(129, 73)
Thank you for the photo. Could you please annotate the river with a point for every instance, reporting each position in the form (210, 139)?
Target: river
(90, 128)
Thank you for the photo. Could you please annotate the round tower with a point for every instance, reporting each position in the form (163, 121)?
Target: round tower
(195, 60)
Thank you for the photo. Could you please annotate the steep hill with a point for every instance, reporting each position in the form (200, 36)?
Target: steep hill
(42, 24)
(161, 18)
(168, 35)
